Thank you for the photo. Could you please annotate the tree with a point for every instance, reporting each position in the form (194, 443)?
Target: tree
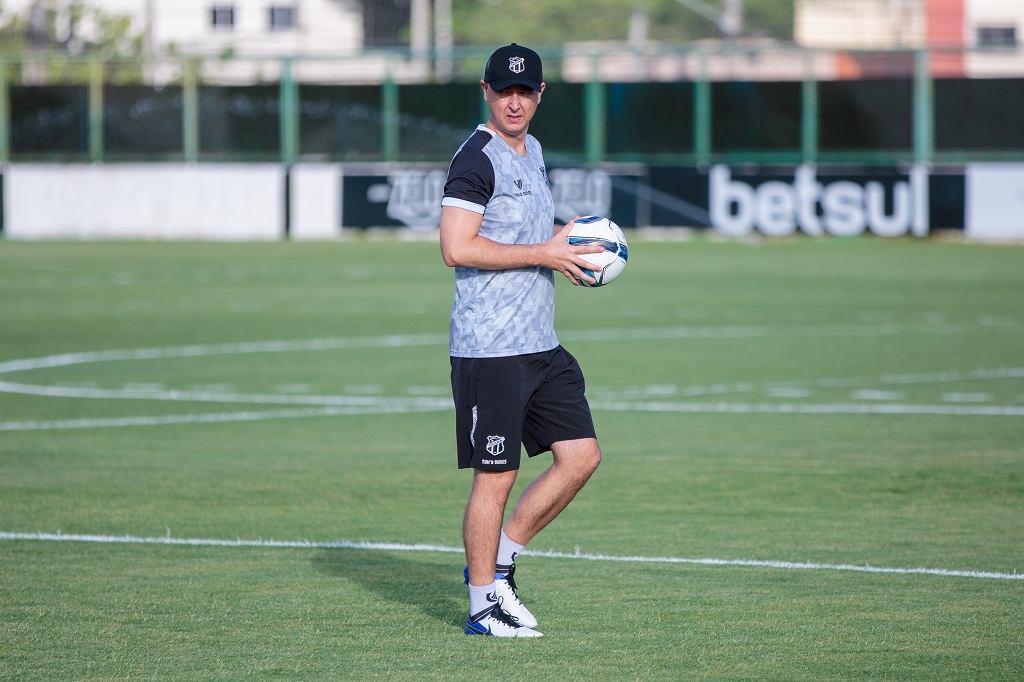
(71, 28)
(555, 22)
(54, 40)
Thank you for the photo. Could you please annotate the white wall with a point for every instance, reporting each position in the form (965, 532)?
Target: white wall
(153, 201)
(316, 201)
(994, 201)
(325, 26)
(994, 13)
(859, 24)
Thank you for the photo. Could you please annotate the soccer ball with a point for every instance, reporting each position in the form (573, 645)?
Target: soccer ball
(608, 264)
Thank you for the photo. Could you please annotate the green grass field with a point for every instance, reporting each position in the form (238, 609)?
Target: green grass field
(810, 407)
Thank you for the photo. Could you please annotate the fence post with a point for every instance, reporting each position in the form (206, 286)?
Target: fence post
(809, 112)
(594, 98)
(924, 108)
(289, 114)
(5, 114)
(389, 117)
(95, 110)
(702, 114)
(190, 111)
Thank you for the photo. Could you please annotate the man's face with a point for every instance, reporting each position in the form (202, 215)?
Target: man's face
(512, 108)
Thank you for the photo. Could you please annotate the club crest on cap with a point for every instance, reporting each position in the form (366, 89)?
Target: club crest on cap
(514, 65)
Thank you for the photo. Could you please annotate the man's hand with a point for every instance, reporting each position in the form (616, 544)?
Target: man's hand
(563, 258)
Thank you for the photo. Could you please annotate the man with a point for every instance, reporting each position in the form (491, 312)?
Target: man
(512, 381)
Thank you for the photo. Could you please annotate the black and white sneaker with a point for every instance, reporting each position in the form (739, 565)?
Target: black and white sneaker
(508, 595)
(496, 622)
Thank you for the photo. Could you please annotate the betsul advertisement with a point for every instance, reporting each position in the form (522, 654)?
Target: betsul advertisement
(816, 201)
(886, 204)
(733, 201)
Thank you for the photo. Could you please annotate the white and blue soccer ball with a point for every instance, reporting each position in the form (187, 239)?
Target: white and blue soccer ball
(608, 264)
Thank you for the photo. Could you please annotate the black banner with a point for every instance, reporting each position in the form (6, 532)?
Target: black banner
(412, 197)
(736, 201)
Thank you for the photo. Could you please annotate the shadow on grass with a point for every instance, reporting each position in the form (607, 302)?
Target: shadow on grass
(431, 583)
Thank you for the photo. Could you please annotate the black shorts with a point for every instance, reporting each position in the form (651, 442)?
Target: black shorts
(536, 399)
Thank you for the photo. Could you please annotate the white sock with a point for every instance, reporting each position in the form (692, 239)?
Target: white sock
(481, 599)
(507, 551)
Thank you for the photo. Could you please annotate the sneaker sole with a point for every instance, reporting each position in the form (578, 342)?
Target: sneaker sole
(487, 633)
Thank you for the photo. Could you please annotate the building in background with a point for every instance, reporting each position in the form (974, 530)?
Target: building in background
(212, 27)
(832, 39)
(976, 38)
(353, 41)
(243, 40)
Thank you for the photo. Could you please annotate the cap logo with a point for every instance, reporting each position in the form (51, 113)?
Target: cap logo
(516, 64)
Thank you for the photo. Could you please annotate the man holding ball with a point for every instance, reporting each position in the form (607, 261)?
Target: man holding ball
(514, 385)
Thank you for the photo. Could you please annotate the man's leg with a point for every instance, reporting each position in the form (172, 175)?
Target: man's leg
(574, 462)
(481, 527)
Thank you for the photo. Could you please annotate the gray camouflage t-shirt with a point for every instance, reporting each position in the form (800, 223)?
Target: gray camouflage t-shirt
(498, 313)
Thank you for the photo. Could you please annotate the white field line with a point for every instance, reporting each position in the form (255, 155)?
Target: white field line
(407, 340)
(222, 417)
(577, 555)
(397, 407)
(66, 359)
(796, 408)
(210, 396)
(826, 382)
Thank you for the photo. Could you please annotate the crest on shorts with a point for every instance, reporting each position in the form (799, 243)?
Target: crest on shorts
(495, 445)
(516, 64)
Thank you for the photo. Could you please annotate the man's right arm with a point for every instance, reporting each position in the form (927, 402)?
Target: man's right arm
(462, 246)
(466, 195)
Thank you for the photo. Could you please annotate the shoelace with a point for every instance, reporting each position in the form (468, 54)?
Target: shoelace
(511, 580)
(504, 616)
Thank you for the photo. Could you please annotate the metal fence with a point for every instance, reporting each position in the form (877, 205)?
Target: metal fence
(685, 104)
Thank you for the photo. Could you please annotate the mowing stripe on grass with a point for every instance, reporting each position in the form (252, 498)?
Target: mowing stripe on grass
(342, 405)
(407, 340)
(577, 555)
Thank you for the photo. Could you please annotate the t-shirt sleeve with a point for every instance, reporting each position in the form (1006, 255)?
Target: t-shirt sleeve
(470, 181)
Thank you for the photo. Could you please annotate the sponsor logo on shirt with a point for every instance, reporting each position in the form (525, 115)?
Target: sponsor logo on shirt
(519, 185)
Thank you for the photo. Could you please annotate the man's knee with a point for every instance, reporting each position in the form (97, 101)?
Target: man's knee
(583, 456)
(492, 483)
(593, 458)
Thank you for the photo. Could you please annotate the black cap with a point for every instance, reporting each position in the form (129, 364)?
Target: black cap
(514, 65)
